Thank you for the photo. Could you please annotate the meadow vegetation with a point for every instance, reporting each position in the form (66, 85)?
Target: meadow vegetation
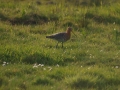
(90, 61)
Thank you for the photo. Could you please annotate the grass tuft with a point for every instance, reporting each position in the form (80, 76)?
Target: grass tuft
(38, 58)
(42, 81)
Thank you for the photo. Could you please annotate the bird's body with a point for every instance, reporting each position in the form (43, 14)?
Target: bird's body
(61, 37)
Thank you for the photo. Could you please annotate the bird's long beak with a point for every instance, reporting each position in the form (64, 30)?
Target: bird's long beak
(74, 33)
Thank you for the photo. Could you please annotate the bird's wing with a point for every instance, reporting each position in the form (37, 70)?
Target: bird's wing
(57, 36)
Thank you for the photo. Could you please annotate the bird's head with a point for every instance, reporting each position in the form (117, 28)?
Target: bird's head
(69, 29)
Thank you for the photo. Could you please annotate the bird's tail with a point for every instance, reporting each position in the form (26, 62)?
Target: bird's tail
(49, 36)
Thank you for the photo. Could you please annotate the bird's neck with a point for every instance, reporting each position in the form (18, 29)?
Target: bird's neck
(68, 34)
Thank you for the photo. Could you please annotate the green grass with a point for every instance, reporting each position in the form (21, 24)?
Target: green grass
(90, 61)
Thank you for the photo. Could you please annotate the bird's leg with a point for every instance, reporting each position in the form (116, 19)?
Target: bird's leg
(62, 44)
(57, 45)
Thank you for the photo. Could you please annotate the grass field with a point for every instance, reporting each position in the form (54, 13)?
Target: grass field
(90, 61)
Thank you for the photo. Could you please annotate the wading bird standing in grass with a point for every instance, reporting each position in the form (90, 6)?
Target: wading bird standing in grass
(61, 37)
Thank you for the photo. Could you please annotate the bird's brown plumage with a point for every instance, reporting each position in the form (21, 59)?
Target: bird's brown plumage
(61, 37)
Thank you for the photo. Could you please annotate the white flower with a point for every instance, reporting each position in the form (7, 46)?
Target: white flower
(42, 65)
(90, 56)
(39, 64)
(50, 68)
(57, 65)
(44, 68)
(35, 66)
(89, 67)
(114, 23)
(116, 67)
(3, 64)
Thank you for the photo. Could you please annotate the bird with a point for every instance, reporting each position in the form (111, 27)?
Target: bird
(62, 36)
